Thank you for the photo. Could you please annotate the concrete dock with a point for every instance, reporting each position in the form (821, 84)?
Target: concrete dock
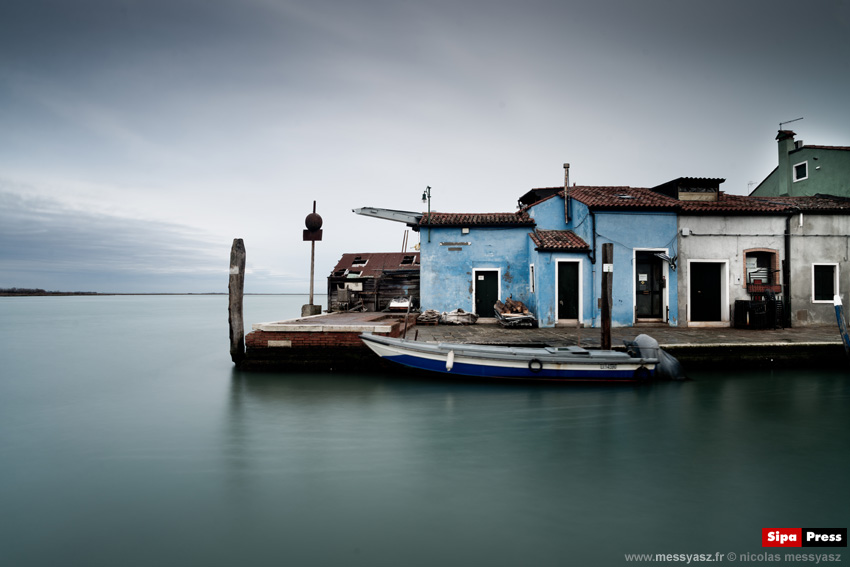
(703, 347)
(331, 342)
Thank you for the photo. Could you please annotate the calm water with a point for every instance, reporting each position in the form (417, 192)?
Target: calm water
(126, 438)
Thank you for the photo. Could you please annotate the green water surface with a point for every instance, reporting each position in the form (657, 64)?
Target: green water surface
(127, 438)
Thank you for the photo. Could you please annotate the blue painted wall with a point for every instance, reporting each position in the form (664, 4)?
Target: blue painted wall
(549, 214)
(630, 231)
(447, 270)
(545, 301)
(447, 274)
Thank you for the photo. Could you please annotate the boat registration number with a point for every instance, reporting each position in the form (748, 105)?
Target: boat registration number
(608, 366)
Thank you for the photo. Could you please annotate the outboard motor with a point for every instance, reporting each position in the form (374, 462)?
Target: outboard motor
(668, 368)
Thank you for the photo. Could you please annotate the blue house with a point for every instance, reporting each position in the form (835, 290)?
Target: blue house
(685, 253)
(469, 260)
(547, 256)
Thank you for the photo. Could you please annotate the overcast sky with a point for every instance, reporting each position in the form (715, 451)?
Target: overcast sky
(139, 137)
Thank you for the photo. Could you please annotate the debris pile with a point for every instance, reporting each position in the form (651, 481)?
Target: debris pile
(459, 317)
(511, 307)
(513, 314)
(431, 316)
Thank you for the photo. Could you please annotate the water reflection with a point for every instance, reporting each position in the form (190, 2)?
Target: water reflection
(145, 448)
(498, 455)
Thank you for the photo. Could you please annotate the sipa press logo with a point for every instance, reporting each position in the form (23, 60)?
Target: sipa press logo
(804, 537)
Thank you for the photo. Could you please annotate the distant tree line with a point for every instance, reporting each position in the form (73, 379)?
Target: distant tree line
(39, 291)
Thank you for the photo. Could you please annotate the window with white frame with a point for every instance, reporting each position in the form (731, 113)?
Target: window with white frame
(824, 282)
(531, 277)
(801, 171)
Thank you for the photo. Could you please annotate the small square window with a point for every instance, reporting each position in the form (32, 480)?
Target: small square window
(824, 282)
(801, 171)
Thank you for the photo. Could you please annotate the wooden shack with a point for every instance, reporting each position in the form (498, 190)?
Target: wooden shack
(370, 281)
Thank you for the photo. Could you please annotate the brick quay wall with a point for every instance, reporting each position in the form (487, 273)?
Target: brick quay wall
(332, 342)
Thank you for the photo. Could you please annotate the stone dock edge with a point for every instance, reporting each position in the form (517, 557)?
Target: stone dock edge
(331, 343)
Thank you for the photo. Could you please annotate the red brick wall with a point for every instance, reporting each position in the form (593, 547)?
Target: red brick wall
(260, 339)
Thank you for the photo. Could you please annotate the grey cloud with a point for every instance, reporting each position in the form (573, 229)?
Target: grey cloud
(42, 239)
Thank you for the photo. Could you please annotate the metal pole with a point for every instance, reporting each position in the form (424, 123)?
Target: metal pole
(429, 214)
(312, 267)
(312, 260)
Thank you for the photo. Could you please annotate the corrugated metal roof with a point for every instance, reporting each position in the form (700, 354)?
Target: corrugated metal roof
(373, 264)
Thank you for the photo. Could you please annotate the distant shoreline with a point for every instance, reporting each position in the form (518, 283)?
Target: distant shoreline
(6, 293)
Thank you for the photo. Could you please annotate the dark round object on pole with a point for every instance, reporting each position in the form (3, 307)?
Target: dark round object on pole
(313, 222)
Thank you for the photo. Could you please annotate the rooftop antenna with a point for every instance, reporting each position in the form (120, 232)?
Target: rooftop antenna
(789, 122)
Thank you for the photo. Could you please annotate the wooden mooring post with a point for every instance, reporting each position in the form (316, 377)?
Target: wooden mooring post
(607, 277)
(842, 326)
(234, 309)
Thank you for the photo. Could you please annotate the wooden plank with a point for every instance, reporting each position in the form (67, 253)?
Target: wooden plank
(607, 258)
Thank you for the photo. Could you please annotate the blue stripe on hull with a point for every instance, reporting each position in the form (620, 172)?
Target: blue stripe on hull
(480, 370)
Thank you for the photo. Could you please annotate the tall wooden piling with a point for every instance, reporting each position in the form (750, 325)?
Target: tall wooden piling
(607, 277)
(235, 292)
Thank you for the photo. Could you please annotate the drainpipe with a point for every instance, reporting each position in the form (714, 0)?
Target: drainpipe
(592, 253)
(592, 256)
(567, 193)
(786, 272)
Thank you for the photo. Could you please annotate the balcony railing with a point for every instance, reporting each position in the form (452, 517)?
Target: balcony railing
(760, 288)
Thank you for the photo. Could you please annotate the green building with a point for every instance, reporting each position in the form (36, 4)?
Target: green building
(807, 170)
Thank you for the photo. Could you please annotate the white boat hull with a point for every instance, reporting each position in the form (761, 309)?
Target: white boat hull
(566, 363)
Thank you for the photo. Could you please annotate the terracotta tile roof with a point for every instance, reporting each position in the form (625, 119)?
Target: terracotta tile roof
(520, 218)
(733, 204)
(556, 240)
(623, 198)
(842, 148)
(373, 264)
(745, 204)
(815, 203)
